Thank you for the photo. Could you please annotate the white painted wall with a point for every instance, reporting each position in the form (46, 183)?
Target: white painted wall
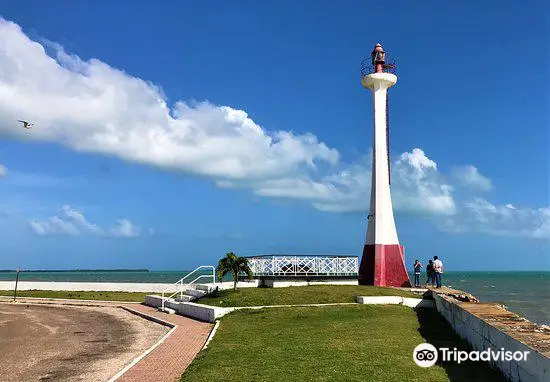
(291, 283)
(381, 227)
(395, 300)
(189, 309)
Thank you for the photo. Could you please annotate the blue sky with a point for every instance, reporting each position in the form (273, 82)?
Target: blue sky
(168, 135)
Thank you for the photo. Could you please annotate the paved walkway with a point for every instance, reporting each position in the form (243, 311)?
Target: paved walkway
(167, 362)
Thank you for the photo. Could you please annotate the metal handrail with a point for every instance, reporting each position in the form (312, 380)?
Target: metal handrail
(183, 285)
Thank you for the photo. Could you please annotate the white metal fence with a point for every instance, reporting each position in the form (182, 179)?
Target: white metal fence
(285, 265)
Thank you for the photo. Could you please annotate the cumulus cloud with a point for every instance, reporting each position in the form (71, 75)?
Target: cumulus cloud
(89, 106)
(3, 171)
(417, 187)
(469, 176)
(72, 222)
(79, 219)
(125, 228)
(479, 215)
(54, 226)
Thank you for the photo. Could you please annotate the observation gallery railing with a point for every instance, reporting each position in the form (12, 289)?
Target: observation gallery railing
(304, 265)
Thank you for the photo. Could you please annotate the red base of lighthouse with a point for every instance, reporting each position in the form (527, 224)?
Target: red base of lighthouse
(383, 265)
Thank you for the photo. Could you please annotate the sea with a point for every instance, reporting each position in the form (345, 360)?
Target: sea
(525, 293)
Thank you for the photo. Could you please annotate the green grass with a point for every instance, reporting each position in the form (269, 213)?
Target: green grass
(79, 295)
(314, 294)
(344, 343)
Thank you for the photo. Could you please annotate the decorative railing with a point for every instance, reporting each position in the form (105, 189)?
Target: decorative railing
(304, 265)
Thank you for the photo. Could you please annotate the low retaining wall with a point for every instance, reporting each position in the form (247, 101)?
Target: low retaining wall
(210, 314)
(395, 300)
(189, 309)
(482, 335)
(278, 283)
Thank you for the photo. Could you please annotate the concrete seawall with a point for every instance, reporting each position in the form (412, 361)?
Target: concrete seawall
(489, 325)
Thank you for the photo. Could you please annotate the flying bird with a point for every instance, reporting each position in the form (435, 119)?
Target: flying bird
(26, 125)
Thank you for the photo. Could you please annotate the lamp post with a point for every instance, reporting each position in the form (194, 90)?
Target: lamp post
(16, 281)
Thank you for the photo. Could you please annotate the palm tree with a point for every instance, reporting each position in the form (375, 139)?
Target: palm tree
(233, 264)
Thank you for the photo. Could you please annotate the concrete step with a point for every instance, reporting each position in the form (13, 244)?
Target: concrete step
(195, 293)
(205, 287)
(185, 298)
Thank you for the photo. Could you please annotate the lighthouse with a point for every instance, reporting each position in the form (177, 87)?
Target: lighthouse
(383, 260)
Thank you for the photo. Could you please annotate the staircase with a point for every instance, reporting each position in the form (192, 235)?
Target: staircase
(186, 289)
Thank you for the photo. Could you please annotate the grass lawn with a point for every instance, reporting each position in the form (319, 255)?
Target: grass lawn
(345, 343)
(80, 295)
(314, 294)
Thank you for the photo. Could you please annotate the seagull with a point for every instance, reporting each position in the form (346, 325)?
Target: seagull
(26, 125)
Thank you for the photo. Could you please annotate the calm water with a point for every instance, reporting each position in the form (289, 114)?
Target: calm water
(526, 293)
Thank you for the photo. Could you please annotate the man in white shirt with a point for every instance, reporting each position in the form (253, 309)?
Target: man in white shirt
(438, 270)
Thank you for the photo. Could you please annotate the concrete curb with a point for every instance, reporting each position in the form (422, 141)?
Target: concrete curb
(148, 317)
(210, 313)
(212, 333)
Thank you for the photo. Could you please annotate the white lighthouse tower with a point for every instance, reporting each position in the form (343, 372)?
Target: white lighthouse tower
(383, 261)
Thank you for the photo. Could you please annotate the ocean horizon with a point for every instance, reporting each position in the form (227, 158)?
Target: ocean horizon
(523, 292)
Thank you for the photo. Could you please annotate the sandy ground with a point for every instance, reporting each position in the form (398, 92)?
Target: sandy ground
(104, 287)
(62, 343)
(91, 286)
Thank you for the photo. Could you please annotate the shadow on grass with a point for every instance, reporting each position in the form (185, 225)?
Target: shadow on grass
(437, 331)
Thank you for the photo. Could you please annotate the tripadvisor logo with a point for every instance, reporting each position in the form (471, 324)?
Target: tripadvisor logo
(426, 355)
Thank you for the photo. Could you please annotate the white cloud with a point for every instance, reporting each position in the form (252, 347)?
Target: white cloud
(479, 215)
(54, 226)
(469, 176)
(125, 228)
(78, 218)
(72, 222)
(419, 187)
(3, 171)
(89, 106)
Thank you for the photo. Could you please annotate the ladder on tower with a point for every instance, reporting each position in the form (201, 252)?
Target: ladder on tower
(388, 136)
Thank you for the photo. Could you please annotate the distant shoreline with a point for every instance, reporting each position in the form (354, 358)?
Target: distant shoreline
(73, 270)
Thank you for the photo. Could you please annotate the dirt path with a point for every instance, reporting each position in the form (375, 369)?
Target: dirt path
(69, 343)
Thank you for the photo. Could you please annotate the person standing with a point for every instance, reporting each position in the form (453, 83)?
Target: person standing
(417, 267)
(430, 277)
(438, 271)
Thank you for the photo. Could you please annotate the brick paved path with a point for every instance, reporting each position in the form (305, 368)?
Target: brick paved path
(167, 361)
